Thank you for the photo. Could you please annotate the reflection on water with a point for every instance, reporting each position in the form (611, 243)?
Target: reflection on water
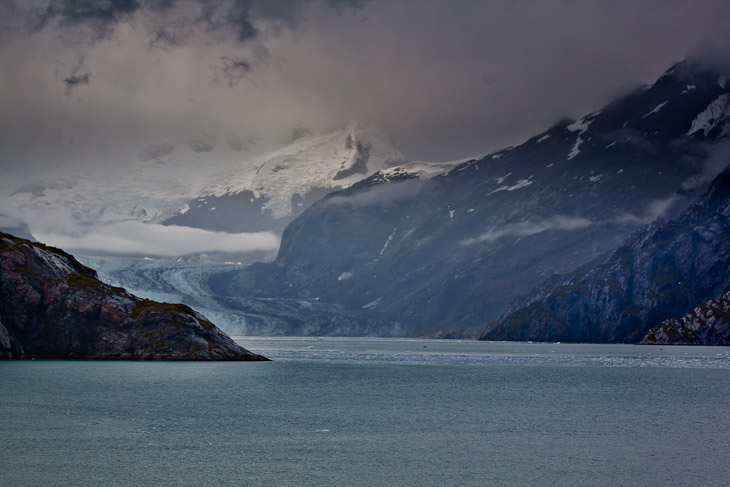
(421, 351)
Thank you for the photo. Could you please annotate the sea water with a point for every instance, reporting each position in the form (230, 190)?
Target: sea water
(341, 412)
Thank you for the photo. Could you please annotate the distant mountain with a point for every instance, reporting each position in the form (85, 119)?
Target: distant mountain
(452, 251)
(661, 272)
(267, 192)
(51, 306)
(708, 324)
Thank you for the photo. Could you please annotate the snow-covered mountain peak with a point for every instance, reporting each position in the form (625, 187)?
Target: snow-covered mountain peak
(331, 161)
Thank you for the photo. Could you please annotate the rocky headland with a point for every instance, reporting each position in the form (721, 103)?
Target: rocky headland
(51, 306)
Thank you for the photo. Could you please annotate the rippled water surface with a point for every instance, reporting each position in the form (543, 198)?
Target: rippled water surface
(374, 412)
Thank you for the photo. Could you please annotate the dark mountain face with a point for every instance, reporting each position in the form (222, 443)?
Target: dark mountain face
(452, 252)
(661, 272)
(241, 212)
(51, 306)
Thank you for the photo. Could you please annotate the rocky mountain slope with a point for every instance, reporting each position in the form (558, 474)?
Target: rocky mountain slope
(708, 324)
(662, 271)
(452, 251)
(51, 306)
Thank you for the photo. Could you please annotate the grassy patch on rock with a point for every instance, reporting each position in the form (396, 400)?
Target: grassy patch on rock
(83, 281)
(155, 307)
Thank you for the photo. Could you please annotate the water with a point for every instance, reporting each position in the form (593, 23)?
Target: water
(374, 412)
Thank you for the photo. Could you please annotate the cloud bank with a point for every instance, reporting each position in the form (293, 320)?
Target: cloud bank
(525, 228)
(446, 79)
(136, 238)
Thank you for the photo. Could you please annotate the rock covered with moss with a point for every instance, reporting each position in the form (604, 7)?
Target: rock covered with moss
(708, 324)
(51, 306)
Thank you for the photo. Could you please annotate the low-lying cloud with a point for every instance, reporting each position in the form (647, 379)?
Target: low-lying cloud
(652, 211)
(384, 194)
(58, 227)
(717, 161)
(136, 238)
(525, 228)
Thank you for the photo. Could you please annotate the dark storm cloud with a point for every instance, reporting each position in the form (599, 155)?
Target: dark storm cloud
(79, 77)
(232, 70)
(100, 16)
(445, 79)
(235, 17)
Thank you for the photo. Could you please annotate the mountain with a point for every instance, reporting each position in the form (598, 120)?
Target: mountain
(708, 324)
(452, 251)
(662, 271)
(267, 192)
(51, 306)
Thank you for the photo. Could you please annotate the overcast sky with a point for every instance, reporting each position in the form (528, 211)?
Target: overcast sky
(446, 79)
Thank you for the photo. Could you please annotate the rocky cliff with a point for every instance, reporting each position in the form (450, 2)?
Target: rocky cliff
(662, 271)
(51, 306)
(708, 324)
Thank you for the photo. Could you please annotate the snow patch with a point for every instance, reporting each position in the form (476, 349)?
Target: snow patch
(387, 242)
(419, 169)
(520, 184)
(372, 304)
(610, 145)
(451, 213)
(345, 275)
(543, 138)
(596, 178)
(576, 148)
(711, 116)
(656, 109)
(501, 180)
(581, 125)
